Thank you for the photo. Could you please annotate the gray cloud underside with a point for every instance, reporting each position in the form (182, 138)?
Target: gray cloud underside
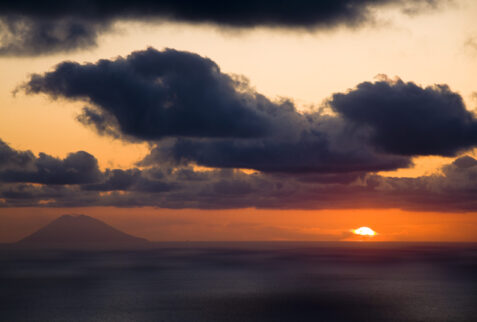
(31, 28)
(182, 187)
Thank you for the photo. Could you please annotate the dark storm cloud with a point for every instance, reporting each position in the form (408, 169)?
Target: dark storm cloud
(152, 94)
(193, 113)
(378, 126)
(246, 13)
(40, 27)
(406, 119)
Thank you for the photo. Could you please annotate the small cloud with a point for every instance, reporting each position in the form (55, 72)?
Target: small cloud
(471, 45)
(474, 96)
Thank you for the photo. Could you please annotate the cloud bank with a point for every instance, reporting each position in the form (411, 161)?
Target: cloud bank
(185, 187)
(191, 113)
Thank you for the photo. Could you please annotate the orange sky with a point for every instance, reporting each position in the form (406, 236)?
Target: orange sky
(256, 225)
(428, 49)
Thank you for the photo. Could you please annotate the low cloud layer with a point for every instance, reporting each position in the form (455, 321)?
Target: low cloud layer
(30, 27)
(185, 187)
(77, 168)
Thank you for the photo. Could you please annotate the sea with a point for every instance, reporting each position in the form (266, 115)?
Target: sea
(243, 281)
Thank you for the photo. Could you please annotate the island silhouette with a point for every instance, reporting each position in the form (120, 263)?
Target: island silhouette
(78, 232)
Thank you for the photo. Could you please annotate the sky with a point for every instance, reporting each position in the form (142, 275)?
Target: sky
(253, 121)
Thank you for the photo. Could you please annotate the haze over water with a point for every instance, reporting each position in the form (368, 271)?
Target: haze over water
(243, 282)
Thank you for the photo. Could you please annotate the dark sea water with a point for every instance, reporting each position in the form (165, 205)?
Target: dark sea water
(243, 282)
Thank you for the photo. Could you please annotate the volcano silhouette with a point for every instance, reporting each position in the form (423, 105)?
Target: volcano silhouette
(80, 231)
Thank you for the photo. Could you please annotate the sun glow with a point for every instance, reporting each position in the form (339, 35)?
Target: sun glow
(364, 231)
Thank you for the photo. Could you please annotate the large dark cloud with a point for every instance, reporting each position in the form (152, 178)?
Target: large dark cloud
(243, 13)
(407, 119)
(31, 27)
(152, 94)
(193, 113)
(220, 121)
(377, 127)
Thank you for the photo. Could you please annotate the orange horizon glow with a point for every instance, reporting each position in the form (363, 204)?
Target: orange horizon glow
(249, 224)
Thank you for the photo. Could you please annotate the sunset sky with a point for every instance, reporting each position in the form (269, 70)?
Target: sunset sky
(291, 120)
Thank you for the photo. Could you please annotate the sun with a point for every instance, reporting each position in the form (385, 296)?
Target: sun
(364, 231)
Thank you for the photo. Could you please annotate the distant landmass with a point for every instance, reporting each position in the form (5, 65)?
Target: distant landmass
(80, 231)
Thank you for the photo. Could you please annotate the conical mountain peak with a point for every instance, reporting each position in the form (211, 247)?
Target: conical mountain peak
(73, 231)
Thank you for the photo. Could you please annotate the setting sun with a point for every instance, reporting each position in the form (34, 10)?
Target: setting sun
(364, 231)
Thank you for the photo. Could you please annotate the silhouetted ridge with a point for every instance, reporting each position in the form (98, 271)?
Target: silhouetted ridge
(77, 231)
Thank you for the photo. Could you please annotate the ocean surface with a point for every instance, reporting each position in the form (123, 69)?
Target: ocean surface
(188, 282)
